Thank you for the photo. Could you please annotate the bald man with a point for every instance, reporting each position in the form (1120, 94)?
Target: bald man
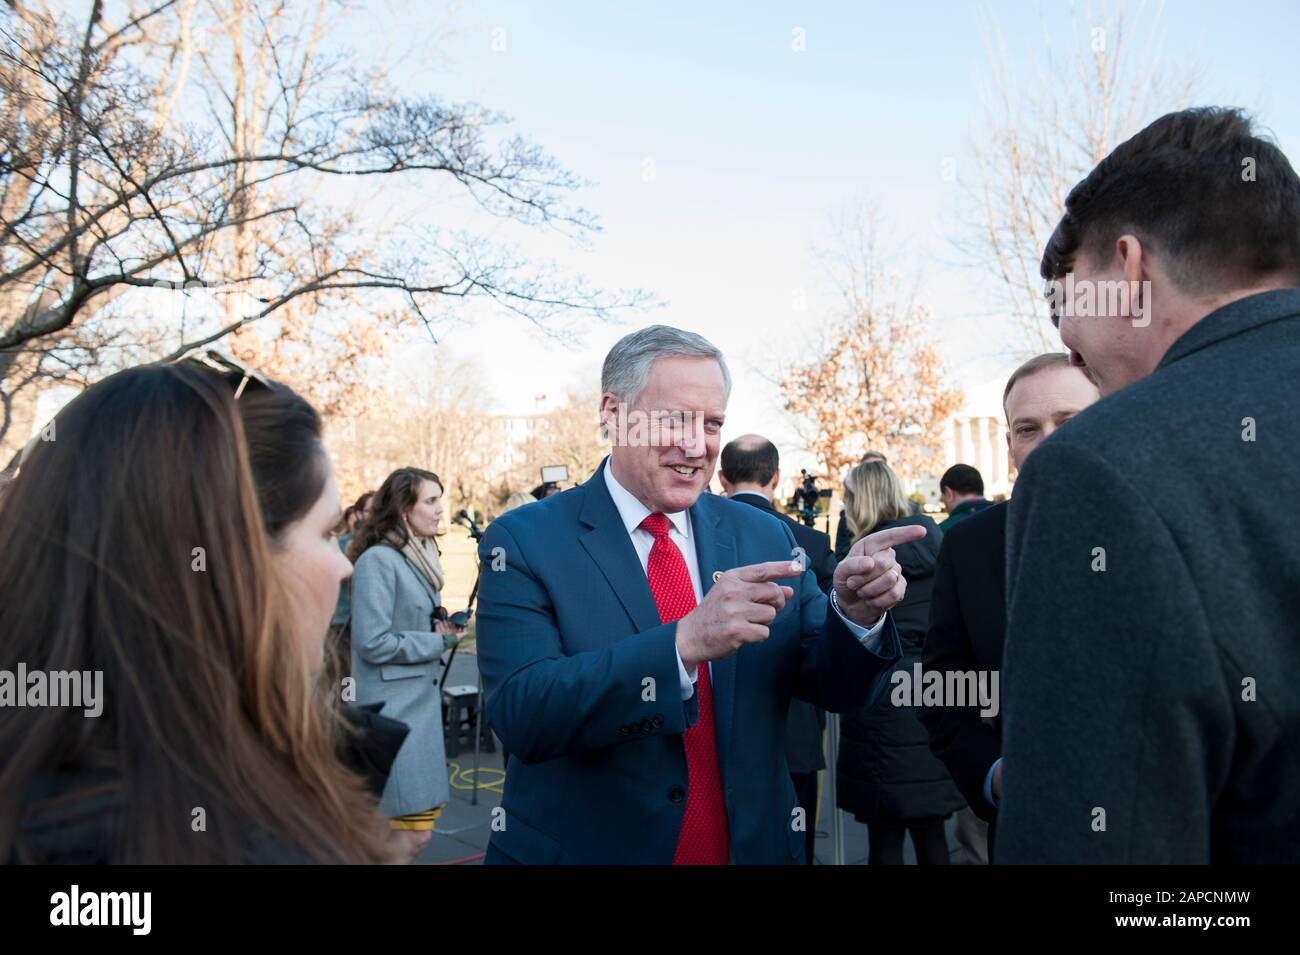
(750, 470)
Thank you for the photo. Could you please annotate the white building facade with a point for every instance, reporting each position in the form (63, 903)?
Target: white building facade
(977, 435)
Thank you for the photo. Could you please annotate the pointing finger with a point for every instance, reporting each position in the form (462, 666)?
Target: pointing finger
(771, 570)
(891, 536)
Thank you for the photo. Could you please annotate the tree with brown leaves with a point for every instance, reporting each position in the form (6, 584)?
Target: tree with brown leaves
(876, 381)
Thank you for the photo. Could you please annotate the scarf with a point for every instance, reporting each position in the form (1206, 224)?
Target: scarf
(422, 552)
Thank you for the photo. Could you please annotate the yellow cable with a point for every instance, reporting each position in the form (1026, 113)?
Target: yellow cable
(463, 779)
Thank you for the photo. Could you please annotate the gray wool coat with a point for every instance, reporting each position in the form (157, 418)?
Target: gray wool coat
(1149, 703)
(395, 661)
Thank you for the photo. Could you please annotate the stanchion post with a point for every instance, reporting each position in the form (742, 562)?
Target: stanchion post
(837, 829)
(478, 725)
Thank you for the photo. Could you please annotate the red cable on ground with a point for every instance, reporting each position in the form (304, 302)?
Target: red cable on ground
(464, 860)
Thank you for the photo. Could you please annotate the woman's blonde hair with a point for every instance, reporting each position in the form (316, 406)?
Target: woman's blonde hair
(518, 499)
(873, 495)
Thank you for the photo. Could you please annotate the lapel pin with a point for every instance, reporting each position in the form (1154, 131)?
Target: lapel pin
(717, 575)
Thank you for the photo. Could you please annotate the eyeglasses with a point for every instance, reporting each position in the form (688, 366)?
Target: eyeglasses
(236, 374)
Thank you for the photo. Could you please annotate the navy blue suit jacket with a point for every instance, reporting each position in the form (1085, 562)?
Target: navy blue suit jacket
(581, 683)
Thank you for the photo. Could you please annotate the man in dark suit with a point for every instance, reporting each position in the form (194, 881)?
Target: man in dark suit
(750, 470)
(1150, 712)
(640, 640)
(967, 606)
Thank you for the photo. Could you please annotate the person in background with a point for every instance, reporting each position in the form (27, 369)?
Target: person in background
(886, 775)
(750, 470)
(177, 541)
(843, 536)
(338, 648)
(962, 491)
(397, 642)
(518, 499)
(362, 511)
(968, 607)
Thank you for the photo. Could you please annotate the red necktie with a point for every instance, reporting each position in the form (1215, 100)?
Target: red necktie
(703, 837)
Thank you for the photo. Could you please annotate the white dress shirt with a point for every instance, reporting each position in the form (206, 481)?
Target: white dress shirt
(633, 512)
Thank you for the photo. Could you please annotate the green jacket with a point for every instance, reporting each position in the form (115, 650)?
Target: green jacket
(964, 510)
(343, 609)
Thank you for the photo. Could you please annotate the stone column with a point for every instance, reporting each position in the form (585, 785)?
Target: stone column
(977, 445)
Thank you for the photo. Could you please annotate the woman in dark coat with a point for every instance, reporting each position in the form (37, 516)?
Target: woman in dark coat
(886, 774)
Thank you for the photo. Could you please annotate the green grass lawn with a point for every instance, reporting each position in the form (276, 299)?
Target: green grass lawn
(458, 564)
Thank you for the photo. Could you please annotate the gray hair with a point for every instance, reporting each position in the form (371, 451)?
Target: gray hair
(627, 366)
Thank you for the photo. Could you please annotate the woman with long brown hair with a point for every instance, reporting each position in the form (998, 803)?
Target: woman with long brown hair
(399, 632)
(175, 540)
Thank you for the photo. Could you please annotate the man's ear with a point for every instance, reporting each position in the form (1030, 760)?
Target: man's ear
(1131, 254)
(1133, 260)
(608, 413)
(726, 485)
(776, 479)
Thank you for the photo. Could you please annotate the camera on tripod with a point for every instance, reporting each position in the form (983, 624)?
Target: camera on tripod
(552, 475)
(804, 500)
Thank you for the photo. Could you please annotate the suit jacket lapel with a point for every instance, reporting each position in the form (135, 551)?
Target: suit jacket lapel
(610, 547)
(715, 549)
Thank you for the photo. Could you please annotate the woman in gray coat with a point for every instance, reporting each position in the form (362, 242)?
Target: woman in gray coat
(397, 642)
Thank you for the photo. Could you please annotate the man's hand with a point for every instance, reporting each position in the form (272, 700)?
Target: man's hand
(996, 786)
(735, 611)
(869, 582)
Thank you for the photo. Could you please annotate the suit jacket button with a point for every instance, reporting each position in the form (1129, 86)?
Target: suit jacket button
(676, 794)
(646, 726)
(657, 722)
(625, 729)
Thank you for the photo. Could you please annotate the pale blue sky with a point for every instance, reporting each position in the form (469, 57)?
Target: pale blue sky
(755, 147)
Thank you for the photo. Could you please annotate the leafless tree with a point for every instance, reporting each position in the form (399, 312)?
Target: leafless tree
(1044, 130)
(568, 434)
(197, 144)
(440, 420)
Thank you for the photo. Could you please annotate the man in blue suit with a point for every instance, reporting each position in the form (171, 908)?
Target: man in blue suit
(640, 640)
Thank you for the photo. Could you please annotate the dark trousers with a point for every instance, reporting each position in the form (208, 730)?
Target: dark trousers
(885, 841)
(972, 834)
(805, 790)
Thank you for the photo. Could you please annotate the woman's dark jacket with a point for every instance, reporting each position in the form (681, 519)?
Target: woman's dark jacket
(80, 810)
(885, 768)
